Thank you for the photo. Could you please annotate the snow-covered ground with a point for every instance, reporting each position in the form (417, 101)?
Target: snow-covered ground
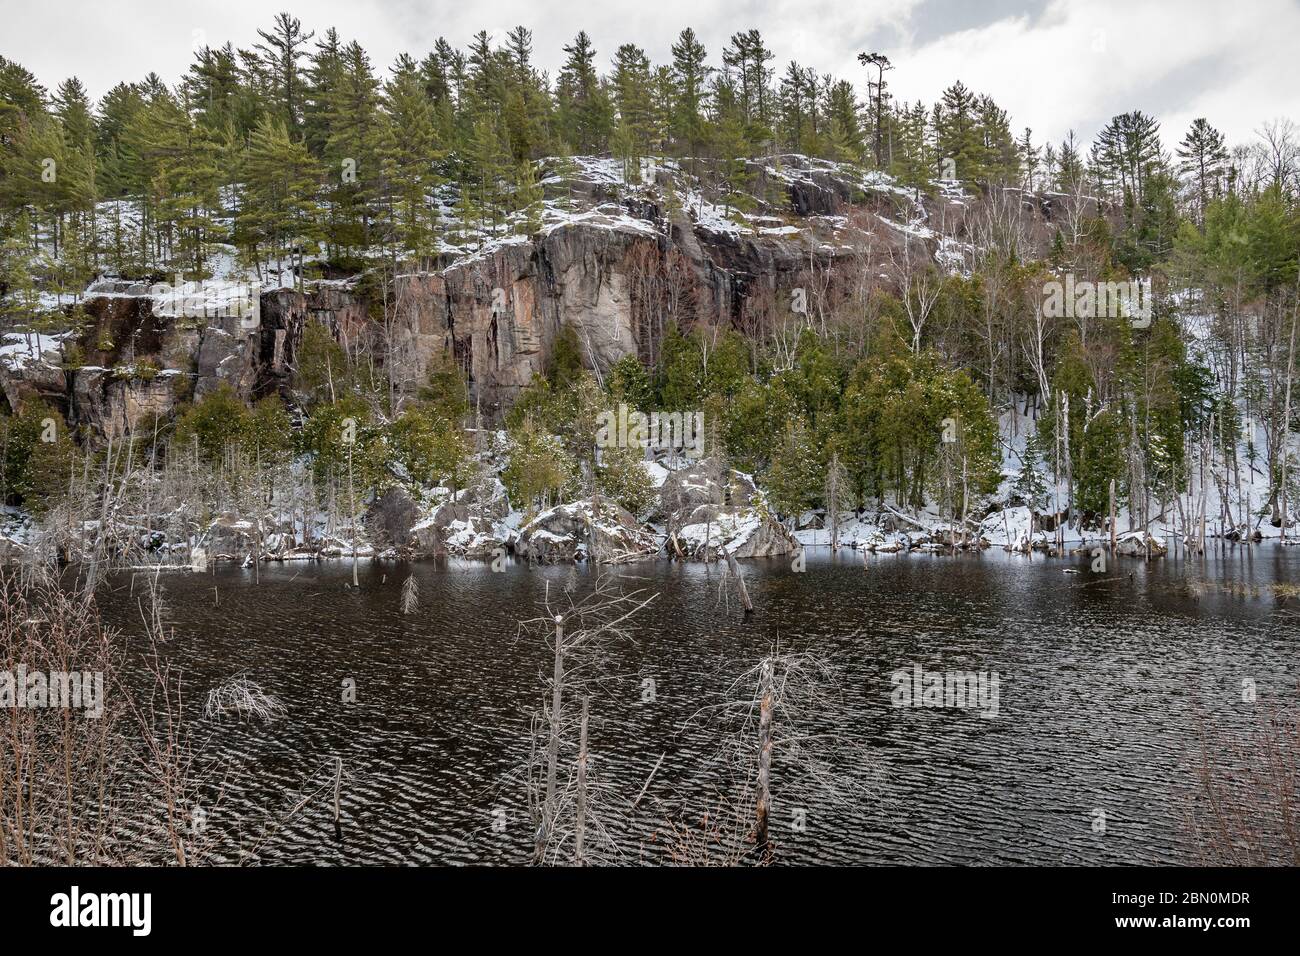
(20, 349)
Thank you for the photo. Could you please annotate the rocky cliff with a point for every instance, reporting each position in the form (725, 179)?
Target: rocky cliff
(615, 262)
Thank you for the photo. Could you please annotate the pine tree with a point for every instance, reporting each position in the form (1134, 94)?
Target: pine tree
(880, 63)
(957, 133)
(583, 104)
(444, 81)
(1069, 165)
(690, 74)
(631, 85)
(747, 57)
(281, 50)
(278, 215)
(324, 76)
(1126, 153)
(797, 109)
(1030, 485)
(527, 199)
(999, 155)
(352, 151)
(1203, 163)
(845, 130)
(1029, 158)
(527, 110)
(19, 304)
(410, 155)
(190, 177)
(213, 89)
(794, 477)
(488, 166)
(913, 156)
(731, 146)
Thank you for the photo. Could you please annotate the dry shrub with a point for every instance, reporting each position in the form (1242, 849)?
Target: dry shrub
(1243, 809)
(119, 788)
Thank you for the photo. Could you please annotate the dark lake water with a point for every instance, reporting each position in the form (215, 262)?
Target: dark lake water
(1102, 682)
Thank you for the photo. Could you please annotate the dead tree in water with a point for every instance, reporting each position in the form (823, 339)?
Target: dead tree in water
(580, 813)
(734, 569)
(580, 634)
(781, 748)
(763, 796)
(410, 595)
(107, 769)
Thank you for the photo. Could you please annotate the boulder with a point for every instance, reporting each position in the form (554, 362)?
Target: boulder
(469, 523)
(390, 519)
(886, 542)
(714, 531)
(687, 489)
(1139, 544)
(575, 531)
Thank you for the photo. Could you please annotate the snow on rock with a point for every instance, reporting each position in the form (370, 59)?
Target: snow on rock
(1014, 529)
(19, 349)
(1139, 544)
(700, 483)
(657, 472)
(471, 523)
(714, 531)
(884, 542)
(579, 530)
(606, 216)
(477, 537)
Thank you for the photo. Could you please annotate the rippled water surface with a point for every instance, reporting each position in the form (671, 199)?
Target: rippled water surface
(1102, 681)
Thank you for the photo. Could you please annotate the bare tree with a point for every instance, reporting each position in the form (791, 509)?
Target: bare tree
(572, 816)
(781, 755)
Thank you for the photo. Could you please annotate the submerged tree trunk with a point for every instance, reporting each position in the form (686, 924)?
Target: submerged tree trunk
(763, 797)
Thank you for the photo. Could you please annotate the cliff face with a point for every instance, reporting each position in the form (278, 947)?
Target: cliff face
(617, 265)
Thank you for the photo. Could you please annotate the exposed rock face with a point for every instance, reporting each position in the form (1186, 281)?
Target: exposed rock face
(270, 353)
(572, 531)
(114, 406)
(31, 372)
(711, 514)
(621, 265)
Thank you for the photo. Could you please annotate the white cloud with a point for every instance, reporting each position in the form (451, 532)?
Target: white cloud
(1073, 65)
(1081, 62)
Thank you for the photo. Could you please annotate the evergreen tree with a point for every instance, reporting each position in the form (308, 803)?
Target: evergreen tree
(1030, 485)
(1203, 163)
(690, 74)
(277, 217)
(794, 478)
(583, 105)
(527, 199)
(1126, 154)
(354, 176)
(410, 157)
(631, 87)
(282, 47)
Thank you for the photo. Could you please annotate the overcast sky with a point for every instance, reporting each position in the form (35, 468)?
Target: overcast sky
(1053, 64)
